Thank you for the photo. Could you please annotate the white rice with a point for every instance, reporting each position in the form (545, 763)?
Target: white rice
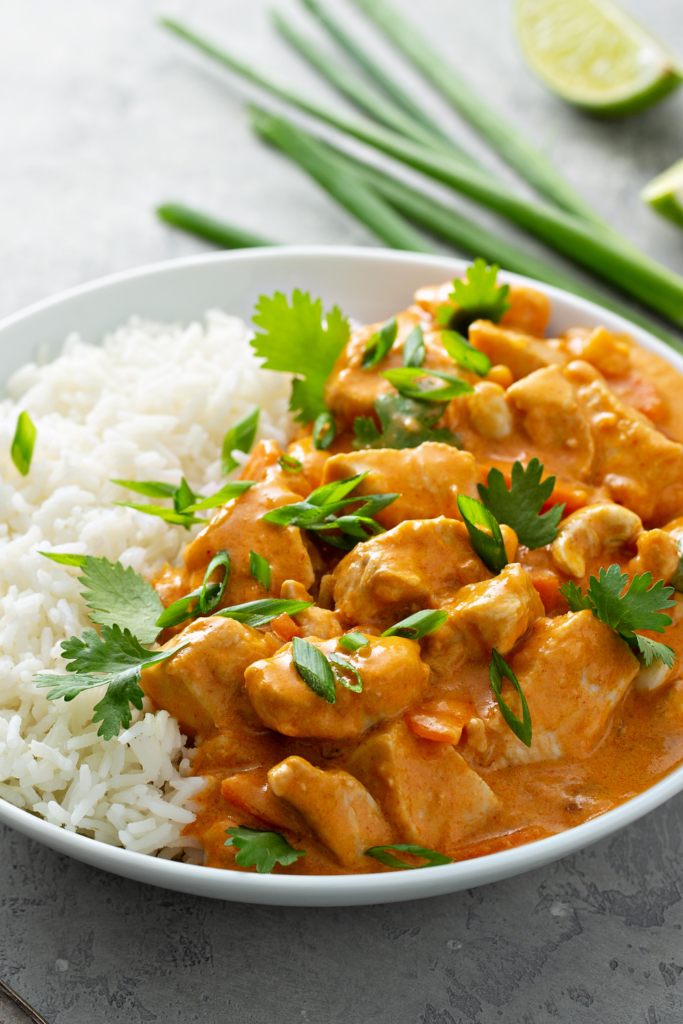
(153, 402)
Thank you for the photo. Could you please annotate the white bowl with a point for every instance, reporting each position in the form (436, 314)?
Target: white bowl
(369, 285)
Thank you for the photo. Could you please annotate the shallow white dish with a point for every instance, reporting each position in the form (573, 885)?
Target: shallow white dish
(369, 285)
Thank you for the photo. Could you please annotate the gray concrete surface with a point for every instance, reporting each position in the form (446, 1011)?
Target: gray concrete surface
(101, 117)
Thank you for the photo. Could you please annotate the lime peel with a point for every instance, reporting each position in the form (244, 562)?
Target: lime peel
(665, 193)
(595, 56)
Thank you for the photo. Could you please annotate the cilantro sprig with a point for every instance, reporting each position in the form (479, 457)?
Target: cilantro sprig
(297, 339)
(116, 596)
(479, 298)
(261, 848)
(405, 424)
(639, 606)
(115, 659)
(520, 506)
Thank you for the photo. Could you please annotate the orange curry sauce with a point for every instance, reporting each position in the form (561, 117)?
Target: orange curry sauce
(423, 754)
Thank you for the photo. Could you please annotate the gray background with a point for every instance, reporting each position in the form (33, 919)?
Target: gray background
(101, 117)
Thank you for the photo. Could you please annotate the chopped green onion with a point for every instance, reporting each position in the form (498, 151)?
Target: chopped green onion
(353, 641)
(484, 531)
(314, 669)
(208, 601)
(324, 431)
(418, 625)
(259, 568)
(231, 490)
(259, 613)
(431, 856)
(465, 355)
(289, 464)
(414, 351)
(379, 345)
(150, 488)
(336, 659)
(403, 376)
(184, 497)
(75, 560)
(498, 670)
(239, 438)
(200, 601)
(23, 443)
(335, 491)
(168, 515)
(209, 228)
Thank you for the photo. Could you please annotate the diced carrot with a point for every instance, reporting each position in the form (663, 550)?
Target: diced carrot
(429, 728)
(285, 627)
(547, 585)
(566, 494)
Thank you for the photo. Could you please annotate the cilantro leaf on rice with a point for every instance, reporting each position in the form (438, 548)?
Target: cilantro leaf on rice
(115, 659)
(297, 339)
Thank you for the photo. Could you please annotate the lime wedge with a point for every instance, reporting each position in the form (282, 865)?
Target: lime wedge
(665, 193)
(594, 55)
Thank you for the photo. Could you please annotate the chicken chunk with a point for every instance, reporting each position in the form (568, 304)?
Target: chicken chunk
(609, 353)
(493, 613)
(426, 790)
(489, 412)
(336, 808)
(238, 528)
(428, 479)
(639, 465)
(521, 352)
(201, 685)
(573, 671)
(392, 674)
(552, 418)
(419, 564)
(591, 533)
(313, 621)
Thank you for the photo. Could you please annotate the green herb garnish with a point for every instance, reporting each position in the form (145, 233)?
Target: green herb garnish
(23, 443)
(264, 849)
(465, 355)
(201, 601)
(338, 662)
(353, 641)
(379, 344)
(314, 669)
(229, 491)
(499, 670)
(297, 341)
(520, 506)
(640, 606)
(484, 531)
(259, 569)
(403, 378)
(324, 431)
(239, 438)
(260, 613)
(431, 856)
(185, 501)
(116, 660)
(418, 625)
(479, 298)
(405, 424)
(289, 464)
(73, 560)
(414, 350)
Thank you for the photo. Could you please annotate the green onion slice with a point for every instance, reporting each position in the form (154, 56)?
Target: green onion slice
(289, 464)
(231, 490)
(433, 858)
(403, 378)
(23, 443)
(239, 438)
(418, 625)
(465, 355)
(484, 531)
(339, 662)
(324, 431)
(380, 344)
(314, 669)
(208, 600)
(76, 560)
(414, 351)
(498, 670)
(259, 613)
(259, 568)
(353, 641)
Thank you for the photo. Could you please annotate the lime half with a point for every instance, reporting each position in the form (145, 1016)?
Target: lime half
(665, 193)
(594, 55)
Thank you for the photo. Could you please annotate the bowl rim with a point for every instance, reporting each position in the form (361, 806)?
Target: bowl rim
(351, 889)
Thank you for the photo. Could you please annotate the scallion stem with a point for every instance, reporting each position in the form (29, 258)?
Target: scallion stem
(207, 227)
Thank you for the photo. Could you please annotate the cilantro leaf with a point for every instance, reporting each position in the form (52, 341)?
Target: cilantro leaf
(479, 298)
(121, 597)
(640, 606)
(520, 506)
(239, 438)
(116, 659)
(264, 849)
(405, 424)
(296, 341)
